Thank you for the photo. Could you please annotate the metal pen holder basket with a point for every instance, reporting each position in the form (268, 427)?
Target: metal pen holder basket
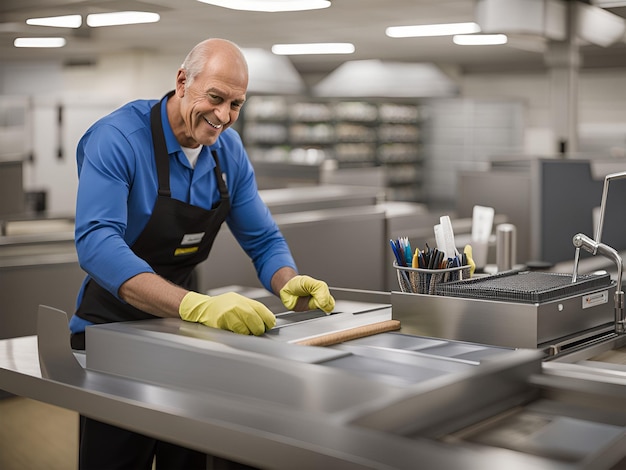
(425, 281)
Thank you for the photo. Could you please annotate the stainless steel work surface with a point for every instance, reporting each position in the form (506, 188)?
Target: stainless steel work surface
(461, 351)
(279, 405)
(306, 198)
(543, 434)
(602, 360)
(157, 343)
(348, 313)
(405, 377)
(294, 327)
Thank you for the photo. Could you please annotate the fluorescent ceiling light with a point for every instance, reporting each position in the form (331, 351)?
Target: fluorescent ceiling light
(480, 39)
(121, 17)
(271, 6)
(313, 48)
(67, 21)
(422, 30)
(39, 42)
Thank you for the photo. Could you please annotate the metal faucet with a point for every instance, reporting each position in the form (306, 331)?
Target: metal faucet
(595, 247)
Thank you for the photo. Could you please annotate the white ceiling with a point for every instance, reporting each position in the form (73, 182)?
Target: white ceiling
(362, 22)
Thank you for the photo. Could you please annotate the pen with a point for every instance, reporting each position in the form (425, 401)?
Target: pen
(400, 262)
(439, 260)
(433, 258)
(408, 253)
(395, 252)
(401, 253)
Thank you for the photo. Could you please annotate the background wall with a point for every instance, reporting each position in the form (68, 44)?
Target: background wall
(601, 111)
(86, 92)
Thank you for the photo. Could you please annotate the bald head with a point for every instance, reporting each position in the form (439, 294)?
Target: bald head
(207, 51)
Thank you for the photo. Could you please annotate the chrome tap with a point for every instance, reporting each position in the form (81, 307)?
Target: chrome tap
(595, 247)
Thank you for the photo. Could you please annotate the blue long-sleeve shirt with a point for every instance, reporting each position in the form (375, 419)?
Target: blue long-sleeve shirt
(118, 187)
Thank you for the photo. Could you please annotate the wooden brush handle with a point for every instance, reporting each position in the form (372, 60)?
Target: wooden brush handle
(353, 333)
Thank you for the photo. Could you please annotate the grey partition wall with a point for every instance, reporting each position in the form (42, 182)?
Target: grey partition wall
(568, 193)
(11, 190)
(549, 200)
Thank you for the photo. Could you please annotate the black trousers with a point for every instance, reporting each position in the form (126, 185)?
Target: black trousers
(106, 447)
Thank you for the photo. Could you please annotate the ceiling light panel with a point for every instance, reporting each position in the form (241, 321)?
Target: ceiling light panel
(66, 21)
(314, 48)
(425, 30)
(480, 39)
(270, 6)
(121, 18)
(39, 42)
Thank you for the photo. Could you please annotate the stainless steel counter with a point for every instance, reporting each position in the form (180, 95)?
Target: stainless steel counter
(301, 199)
(385, 401)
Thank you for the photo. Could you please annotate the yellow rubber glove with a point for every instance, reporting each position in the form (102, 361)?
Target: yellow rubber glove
(305, 286)
(229, 311)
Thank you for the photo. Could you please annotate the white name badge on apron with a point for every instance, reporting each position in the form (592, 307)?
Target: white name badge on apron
(192, 238)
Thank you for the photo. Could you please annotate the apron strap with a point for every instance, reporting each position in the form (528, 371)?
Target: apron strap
(162, 158)
(221, 179)
(160, 148)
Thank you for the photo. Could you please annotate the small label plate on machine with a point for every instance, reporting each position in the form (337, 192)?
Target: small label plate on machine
(597, 298)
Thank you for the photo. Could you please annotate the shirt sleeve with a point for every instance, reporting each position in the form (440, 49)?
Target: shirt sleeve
(252, 224)
(106, 170)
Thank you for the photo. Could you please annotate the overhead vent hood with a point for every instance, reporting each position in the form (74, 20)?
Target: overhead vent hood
(382, 79)
(598, 26)
(549, 19)
(546, 18)
(271, 74)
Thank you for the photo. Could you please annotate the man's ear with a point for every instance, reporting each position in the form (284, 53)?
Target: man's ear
(181, 80)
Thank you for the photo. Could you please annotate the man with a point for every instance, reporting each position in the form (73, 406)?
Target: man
(156, 182)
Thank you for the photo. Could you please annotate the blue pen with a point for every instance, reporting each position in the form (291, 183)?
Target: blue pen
(404, 275)
(395, 252)
(400, 248)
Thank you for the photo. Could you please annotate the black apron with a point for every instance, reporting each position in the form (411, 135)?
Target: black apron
(176, 238)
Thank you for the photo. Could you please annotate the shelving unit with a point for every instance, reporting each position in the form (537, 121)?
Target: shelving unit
(287, 132)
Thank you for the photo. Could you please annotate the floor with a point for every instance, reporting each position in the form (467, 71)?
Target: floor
(35, 435)
(39, 436)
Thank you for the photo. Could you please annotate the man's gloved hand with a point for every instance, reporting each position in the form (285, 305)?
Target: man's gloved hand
(305, 286)
(229, 311)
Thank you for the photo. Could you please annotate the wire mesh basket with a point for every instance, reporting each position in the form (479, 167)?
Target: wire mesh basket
(525, 286)
(425, 281)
